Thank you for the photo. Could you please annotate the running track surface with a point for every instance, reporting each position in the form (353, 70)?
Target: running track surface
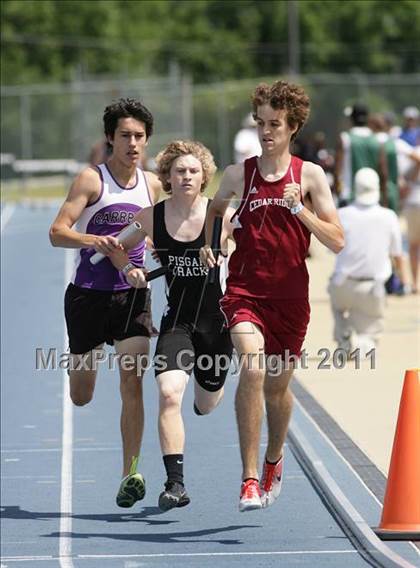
(61, 465)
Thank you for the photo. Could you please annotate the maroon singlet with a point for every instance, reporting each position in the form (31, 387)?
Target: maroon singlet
(271, 243)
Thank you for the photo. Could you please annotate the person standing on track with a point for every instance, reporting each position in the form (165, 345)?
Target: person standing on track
(282, 201)
(192, 332)
(357, 286)
(100, 306)
(357, 148)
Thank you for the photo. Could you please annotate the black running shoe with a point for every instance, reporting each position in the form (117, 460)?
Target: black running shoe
(196, 410)
(174, 495)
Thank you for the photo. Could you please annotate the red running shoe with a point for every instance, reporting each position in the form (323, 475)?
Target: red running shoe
(271, 481)
(250, 497)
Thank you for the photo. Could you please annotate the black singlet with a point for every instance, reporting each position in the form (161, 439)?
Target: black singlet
(188, 295)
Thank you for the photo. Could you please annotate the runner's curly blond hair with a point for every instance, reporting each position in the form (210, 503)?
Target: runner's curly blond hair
(177, 148)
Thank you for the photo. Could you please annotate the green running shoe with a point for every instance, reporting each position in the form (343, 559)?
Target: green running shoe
(132, 488)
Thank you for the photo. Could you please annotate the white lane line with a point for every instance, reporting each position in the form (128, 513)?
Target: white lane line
(39, 450)
(6, 215)
(50, 478)
(28, 477)
(27, 558)
(295, 477)
(262, 445)
(19, 542)
(182, 555)
(187, 554)
(67, 453)
(25, 542)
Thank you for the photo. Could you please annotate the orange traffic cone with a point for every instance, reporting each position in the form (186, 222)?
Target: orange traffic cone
(401, 512)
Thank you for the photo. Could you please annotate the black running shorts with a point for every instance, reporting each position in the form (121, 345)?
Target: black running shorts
(204, 348)
(95, 316)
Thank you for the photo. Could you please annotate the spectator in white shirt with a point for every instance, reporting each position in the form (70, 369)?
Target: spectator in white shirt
(357, 291)
(246, 143)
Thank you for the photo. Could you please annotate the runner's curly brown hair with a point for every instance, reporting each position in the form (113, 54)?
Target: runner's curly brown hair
(282, 95)
(177, 148)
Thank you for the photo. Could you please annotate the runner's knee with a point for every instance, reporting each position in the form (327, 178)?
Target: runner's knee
(277, 385)
(274, 388)
(171, 393)
(208, 403)
(130, 387)
(252, 377)
(81, 397)
(82, 386)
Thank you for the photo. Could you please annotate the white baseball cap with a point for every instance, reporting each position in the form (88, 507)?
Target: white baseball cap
(411, 112)
(366, 183)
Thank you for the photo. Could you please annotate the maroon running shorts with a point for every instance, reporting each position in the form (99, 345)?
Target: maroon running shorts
(283, 323)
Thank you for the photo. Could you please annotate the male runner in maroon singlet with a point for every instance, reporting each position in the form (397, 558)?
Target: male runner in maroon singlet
(282, 201)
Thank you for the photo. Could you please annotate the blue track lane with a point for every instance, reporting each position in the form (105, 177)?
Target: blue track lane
(297, 531)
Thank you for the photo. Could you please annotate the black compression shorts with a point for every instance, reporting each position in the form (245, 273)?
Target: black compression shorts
(204, 348)
(95, 316)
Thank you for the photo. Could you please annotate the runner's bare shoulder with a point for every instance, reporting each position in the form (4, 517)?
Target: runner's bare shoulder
(88, 183)
(233, 179)
(154, 184)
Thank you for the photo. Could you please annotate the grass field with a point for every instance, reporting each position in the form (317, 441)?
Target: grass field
(37, 193)
(36, 190)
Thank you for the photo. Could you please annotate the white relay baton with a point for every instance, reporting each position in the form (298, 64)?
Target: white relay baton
(122, 238)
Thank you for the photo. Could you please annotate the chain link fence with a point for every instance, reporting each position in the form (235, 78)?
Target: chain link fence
(220, 108)
(58, 122)
(47, 122)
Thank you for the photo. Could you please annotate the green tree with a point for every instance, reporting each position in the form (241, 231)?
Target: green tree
(56, 40)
